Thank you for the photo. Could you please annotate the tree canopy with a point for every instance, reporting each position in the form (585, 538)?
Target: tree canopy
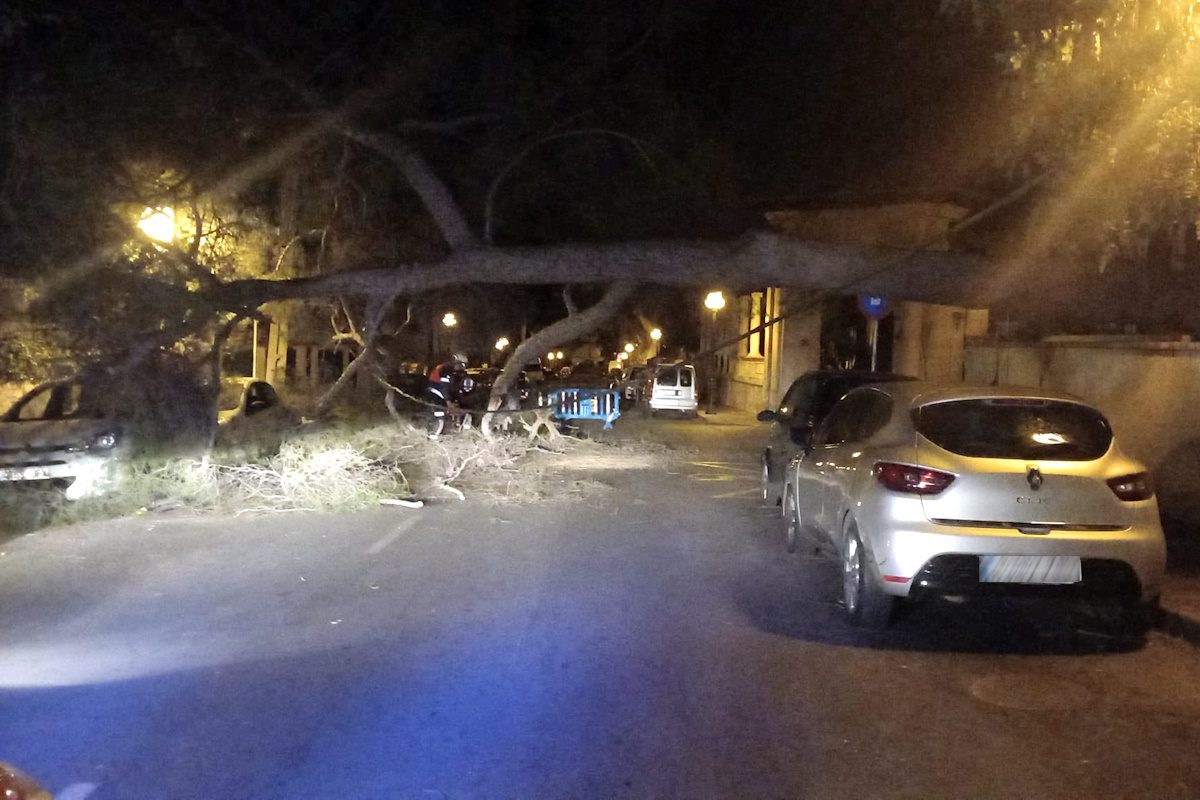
(532, 142)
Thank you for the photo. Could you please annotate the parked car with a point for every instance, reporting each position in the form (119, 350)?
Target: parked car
(72, 435)
(481, 389)
(921, 490)
(804, 405)
(47, 438)
(673, 388)
(633, 384)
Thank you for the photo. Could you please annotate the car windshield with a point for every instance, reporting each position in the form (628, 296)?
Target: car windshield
(1021, 428)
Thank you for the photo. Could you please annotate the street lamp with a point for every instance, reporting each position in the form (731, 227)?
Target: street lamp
(714, 302)
(656, 337)
(559, 355)
(158, 224)
(622, 356)
(449, 320)
(550, 356)
(502, 343)
(629, 347)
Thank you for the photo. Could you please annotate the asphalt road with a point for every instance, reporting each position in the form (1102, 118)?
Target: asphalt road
(654, 640)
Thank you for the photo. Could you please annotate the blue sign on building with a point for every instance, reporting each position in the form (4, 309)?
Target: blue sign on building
(874, 306)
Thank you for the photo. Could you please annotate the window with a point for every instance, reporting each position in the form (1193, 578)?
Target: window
(857, 417)
(53, 402)
(798, 399)
(1021, 428)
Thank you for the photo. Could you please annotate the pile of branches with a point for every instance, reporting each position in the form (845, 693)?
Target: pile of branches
(327, 469)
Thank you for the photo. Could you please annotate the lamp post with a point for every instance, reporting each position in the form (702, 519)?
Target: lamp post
(714, 302)
(655, 337)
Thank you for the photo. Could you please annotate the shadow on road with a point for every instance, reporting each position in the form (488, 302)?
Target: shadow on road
(801, 601)
(1180, 627)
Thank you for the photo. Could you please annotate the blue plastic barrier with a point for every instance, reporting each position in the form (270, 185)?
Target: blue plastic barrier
(603, 404)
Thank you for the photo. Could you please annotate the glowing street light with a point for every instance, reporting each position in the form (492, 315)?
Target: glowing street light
(656, 334)
(714, 301)
(622, 356)
(502, 343)
(449, 320)
(550, 356)
(158, 224)
(559, 355)
(629, 347)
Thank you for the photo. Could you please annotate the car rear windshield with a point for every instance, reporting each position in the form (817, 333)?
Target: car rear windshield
(1016, 428)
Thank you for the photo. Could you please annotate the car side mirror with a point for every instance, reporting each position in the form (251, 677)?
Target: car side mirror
(767, 416)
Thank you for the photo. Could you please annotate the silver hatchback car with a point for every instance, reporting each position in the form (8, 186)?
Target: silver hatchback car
(919, 489)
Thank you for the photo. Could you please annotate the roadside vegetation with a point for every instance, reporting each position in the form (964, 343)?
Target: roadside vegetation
(343, 466)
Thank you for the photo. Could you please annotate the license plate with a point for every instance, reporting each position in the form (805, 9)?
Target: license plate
(23, 473)
(1030, 569)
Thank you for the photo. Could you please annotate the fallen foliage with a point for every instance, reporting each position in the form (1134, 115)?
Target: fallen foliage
(335, 468)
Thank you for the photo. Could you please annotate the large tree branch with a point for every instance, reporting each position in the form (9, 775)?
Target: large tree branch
(434, 193)
(561, 332)
(751, 262)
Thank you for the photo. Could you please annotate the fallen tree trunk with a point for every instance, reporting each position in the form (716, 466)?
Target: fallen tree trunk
(755, 260)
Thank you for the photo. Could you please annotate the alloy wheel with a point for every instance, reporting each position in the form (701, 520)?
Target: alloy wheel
(852, 573)
(792, 515)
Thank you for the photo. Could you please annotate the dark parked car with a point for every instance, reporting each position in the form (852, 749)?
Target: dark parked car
(807, 401)
(633, 384)
(482, 378)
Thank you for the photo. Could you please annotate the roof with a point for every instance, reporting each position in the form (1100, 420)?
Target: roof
(919, 393)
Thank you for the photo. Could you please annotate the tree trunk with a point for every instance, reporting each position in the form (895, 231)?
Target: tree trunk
(750, 262)
(561, 332)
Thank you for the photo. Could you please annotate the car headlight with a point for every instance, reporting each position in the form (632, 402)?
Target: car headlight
(105, 441)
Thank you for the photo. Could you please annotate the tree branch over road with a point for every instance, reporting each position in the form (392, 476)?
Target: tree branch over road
(752, 261)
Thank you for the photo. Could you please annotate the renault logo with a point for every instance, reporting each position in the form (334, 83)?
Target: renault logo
(1034, 478)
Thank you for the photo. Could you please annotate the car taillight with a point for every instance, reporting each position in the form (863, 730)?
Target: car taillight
(1132, 487)
(914, 480)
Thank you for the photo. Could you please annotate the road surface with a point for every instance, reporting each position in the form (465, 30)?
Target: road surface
(651, 640)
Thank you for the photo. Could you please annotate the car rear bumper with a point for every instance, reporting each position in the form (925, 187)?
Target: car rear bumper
(673, 403)
(934, 558)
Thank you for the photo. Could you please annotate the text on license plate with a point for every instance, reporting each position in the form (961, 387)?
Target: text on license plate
(1030, 569)
(23, 473)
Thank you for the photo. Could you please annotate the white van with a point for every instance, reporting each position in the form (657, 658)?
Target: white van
(674, 389)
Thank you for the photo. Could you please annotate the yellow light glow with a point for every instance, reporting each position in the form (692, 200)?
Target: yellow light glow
(449, 320)
(549, 356)
(656, 334)
(502, 343)
(158, 224)
(714, 301)
(629, 348)
(622, 356)
(559, 355)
